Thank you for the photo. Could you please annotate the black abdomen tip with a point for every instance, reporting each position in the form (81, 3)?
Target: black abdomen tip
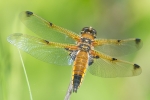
(76, 82)
(75, 88)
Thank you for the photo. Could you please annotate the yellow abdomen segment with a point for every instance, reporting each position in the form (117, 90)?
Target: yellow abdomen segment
(79, 69)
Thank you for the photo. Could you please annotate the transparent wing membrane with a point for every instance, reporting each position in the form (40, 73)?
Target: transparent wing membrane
(46, 51)
(47, 30)
(114, 47)
(109, 67)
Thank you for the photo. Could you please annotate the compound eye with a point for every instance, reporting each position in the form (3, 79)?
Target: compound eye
(89, 30)
(85, 29)
(94, 31)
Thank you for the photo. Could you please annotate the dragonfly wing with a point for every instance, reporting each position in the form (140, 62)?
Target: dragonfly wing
(41, 49)
(47, 30)
(109, 67)
(117, 48)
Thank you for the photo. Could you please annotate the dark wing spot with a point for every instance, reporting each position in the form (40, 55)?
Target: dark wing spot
(137, 41)
(118, 41)
(47, 42)
(50, 24)
(136, 66)
(113, 59)
(29, 13)
(67, 49)
(96, 57)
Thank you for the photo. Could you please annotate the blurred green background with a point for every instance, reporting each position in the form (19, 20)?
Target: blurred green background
(111, 18)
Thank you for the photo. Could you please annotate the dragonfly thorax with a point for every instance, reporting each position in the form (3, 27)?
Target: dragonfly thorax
(86, 40)
(84, 47)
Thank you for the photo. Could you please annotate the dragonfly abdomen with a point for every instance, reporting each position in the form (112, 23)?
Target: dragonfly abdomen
(79, 69)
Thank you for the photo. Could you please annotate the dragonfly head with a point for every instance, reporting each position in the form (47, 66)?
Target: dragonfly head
(89, 30)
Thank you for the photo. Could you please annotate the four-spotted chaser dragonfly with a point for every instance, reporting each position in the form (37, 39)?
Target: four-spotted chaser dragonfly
(84, 52)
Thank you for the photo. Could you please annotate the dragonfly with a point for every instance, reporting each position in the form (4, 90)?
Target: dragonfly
(82, 51)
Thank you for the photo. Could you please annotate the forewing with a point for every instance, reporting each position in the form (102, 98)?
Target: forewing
(117, 48)
(109, 67)
(47, 30)
(44, 50)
